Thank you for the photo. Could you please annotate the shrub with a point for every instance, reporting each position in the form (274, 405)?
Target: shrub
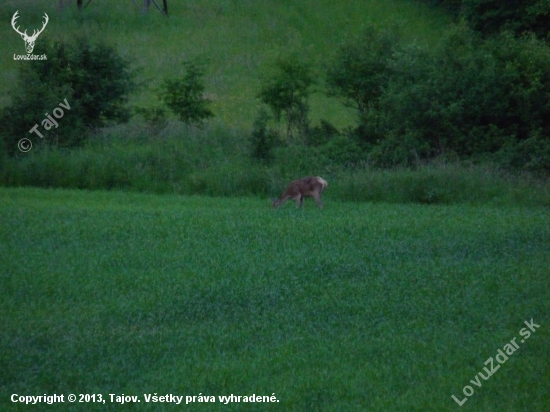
(362, 68)
(95, 80)
(472, 96)
(468, 98)
(490, 17)
(184, 97)
(155, 117)
(262, 139)
(321, 134)
(286, 93)
(300, 160)
(531, 154)
(342, 151)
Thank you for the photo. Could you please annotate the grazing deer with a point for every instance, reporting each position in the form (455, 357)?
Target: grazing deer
(299, 189)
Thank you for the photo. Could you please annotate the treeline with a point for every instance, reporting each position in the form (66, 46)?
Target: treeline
(482, 95)
(490, 17)
(98, 83)
(469, 98)
(475, 97)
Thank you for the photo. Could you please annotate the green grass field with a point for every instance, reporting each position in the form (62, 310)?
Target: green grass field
(358, 307)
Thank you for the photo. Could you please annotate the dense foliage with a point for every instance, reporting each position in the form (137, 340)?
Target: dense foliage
(95, 80)
(286, 92)
(470, 98)
(185, 96)
(476, 95)
(363, 68)
(491, 16)
(263, 139)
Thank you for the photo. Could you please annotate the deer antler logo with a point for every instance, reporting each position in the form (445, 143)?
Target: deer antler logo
(29, 40)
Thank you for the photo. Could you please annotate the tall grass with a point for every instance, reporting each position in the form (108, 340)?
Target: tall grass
(214, 161)
(442, 183)
(195, 162)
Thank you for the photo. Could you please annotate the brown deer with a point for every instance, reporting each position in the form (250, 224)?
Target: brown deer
(301, 188)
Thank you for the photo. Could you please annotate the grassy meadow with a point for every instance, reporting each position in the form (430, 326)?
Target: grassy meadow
(358, 307)
(151, 262)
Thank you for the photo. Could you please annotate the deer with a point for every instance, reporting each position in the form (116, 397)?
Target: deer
(29, 40)
(302, 188)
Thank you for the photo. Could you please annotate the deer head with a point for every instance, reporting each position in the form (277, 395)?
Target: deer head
(29, 40)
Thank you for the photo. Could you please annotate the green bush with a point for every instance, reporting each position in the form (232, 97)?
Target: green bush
(342, 151)
(185, 96)
(468, 98)
(532, 154)
(155, 117)
(363, 67)
(321, 134)
(472, 97)
(94, 80)
(286, 92)
(262, 139)
(490, 17)
(300, 160)
(450, 100)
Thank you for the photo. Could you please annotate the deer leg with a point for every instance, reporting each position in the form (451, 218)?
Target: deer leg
(317, 197)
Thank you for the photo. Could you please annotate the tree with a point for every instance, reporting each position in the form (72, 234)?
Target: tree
(94, 79)
(492, 16)
(286, 93)
(470, 98)
(363, 67)
(185, 96)
(263, 140)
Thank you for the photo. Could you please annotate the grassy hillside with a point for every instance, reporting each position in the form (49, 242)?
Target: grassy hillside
(237, 40)
(360, 307)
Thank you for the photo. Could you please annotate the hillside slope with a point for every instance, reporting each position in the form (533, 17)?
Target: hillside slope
(237, 40)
